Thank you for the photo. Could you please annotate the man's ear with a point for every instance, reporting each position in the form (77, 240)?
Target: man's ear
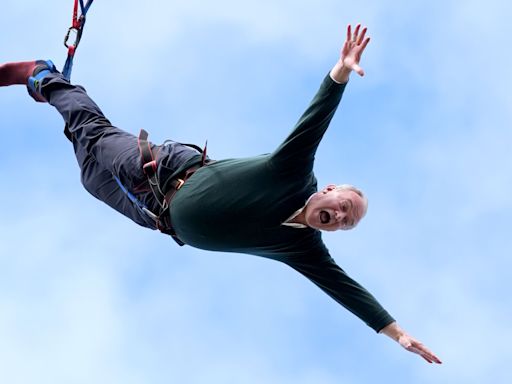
(328, 188)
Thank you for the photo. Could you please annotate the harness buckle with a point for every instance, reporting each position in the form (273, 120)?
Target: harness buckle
(180, 183)
(150, 167)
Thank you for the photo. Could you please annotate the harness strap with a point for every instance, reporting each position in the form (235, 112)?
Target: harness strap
(77, 26)
(150, 167)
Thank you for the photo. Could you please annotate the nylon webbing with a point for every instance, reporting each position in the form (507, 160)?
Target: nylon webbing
(77, 27)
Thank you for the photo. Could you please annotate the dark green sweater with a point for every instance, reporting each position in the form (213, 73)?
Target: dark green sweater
(239, 205)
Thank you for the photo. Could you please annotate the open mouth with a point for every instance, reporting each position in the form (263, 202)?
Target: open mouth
(325, 217)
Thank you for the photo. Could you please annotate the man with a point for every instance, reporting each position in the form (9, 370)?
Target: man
(267, 205)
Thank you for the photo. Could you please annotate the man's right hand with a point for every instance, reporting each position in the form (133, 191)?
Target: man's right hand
(395, 332)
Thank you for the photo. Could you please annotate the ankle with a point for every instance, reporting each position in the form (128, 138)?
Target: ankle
(16, 73)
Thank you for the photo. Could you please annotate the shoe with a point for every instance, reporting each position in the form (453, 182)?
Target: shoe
(42, 69)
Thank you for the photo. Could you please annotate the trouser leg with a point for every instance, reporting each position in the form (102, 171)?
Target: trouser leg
(113, 148)
(104, 151)
(99, 182)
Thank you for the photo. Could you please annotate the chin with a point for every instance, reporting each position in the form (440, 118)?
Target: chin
(321, 227)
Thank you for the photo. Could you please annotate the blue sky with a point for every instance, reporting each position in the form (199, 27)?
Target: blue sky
(87, 296)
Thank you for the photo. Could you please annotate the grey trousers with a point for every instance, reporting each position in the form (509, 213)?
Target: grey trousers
(104, 151)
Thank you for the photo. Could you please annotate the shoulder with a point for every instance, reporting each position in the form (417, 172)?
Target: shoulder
(305, 246)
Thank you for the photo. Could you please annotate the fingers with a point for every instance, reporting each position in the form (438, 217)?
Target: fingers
(358, 69)
(426, 359)
(427, 354)
(365, 43)
(430, 357)
(435, 359)
(424, 352)
(352, 37)
(424, 355)
(353, 48)
(360, 37)
(356, 33)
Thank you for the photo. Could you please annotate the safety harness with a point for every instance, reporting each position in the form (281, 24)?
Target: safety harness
(150, 167)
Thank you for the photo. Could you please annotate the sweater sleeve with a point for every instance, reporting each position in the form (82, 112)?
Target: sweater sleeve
(299, 148)
(328, 276)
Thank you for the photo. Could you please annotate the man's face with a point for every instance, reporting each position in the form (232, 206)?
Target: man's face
(332, 209)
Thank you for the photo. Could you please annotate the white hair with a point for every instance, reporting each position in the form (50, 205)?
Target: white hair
(348, 187)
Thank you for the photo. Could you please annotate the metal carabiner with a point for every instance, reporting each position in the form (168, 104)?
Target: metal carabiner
(77, 29)
(68, 34)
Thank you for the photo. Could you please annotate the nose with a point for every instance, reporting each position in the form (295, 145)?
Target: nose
(338, 216)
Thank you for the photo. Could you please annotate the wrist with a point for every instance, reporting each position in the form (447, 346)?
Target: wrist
(340, 73)
(393, 331)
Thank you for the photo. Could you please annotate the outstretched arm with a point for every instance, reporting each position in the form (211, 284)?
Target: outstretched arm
(395, 332)
(320, 268)
(296, 154)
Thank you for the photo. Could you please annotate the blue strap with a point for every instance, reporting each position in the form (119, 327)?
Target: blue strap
(33, 81)
(138, 204)
(86, 7)
(68, 67)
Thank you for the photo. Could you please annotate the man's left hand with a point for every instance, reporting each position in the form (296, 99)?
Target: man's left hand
(350, 56)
